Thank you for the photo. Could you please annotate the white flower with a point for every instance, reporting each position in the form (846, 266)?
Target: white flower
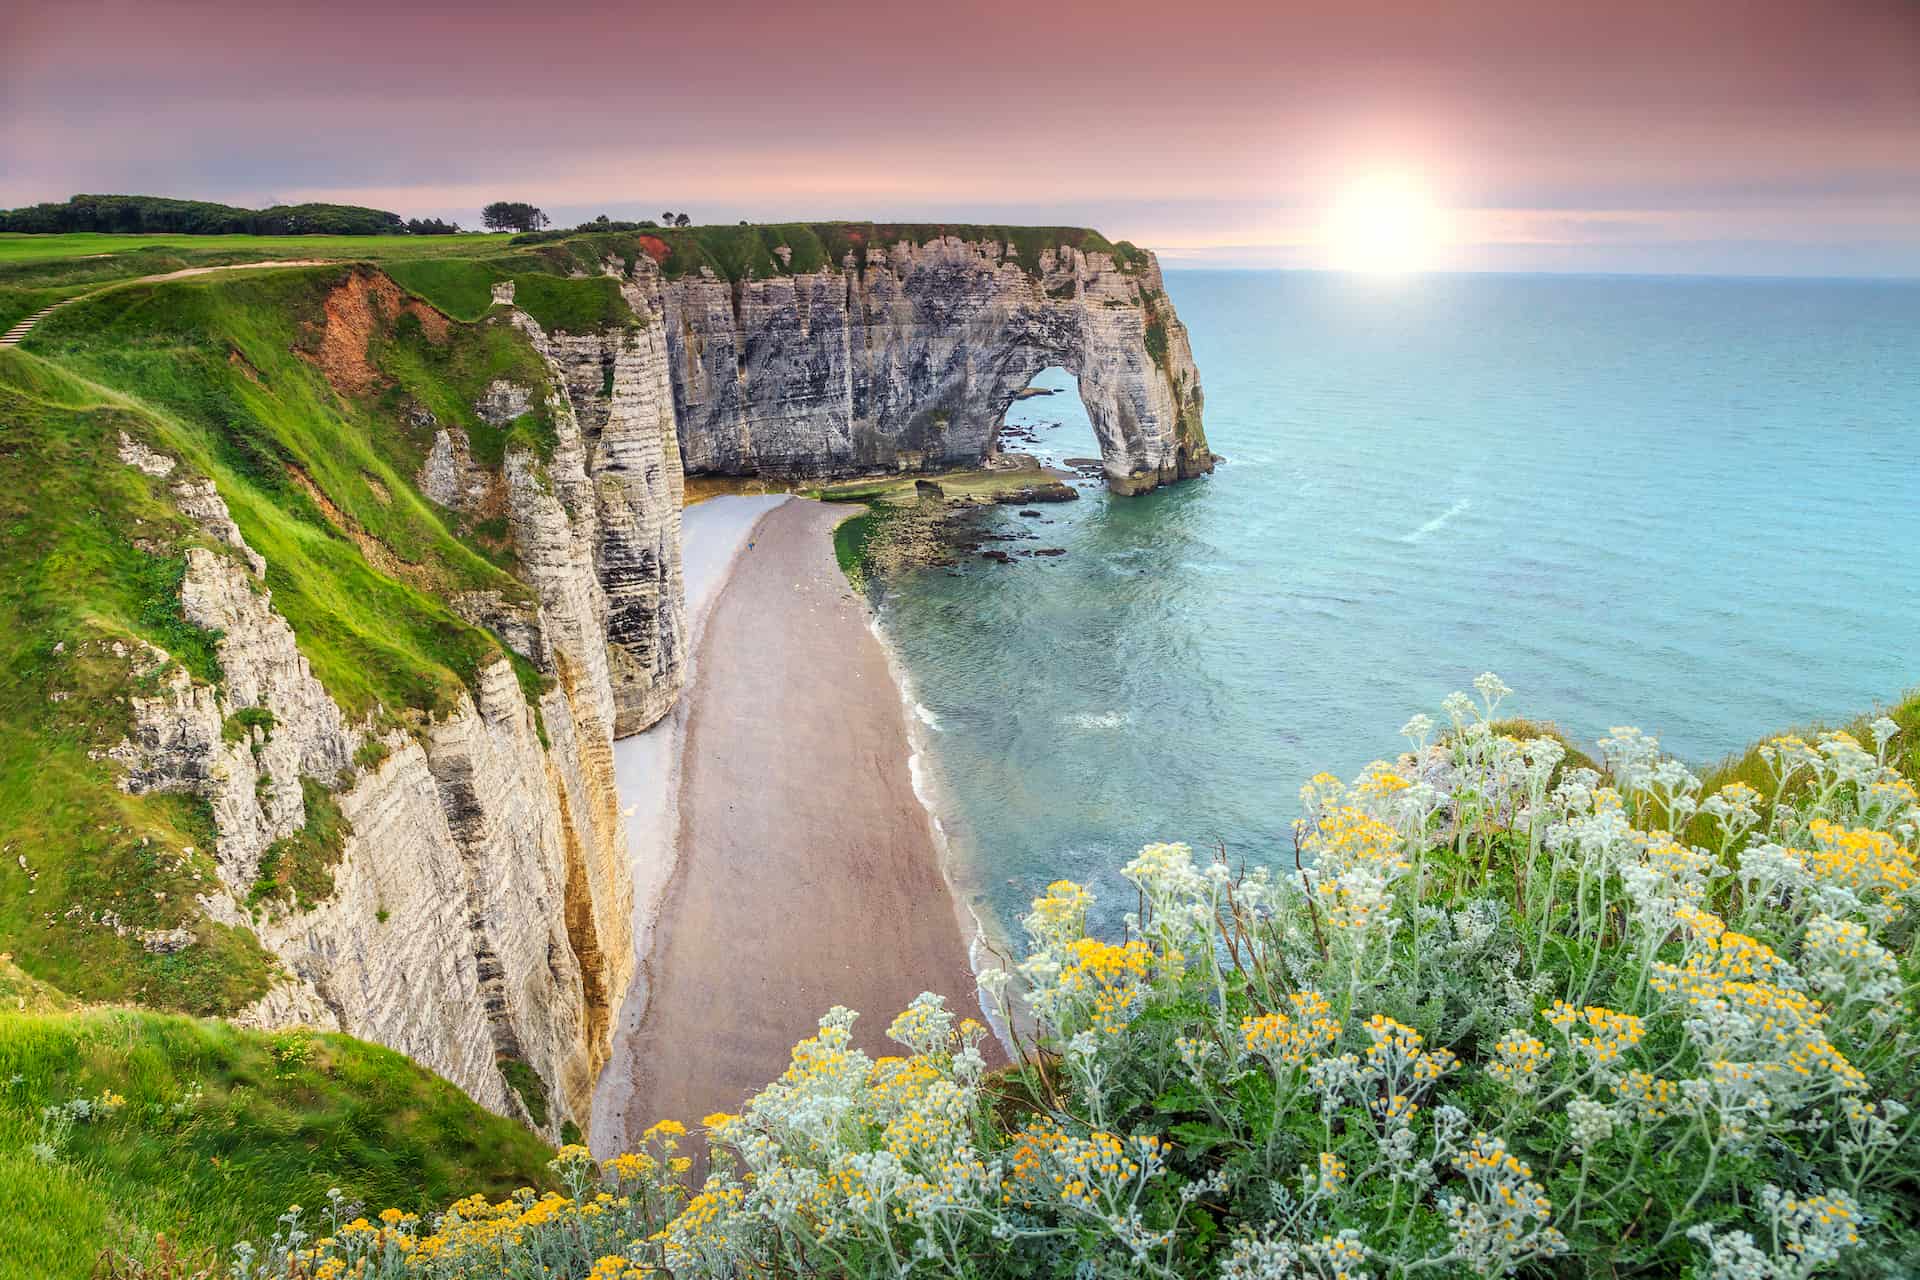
(1492, 690)
(1591, 1122)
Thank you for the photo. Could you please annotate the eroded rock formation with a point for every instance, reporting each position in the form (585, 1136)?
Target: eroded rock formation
(481, 904)
(909, 359)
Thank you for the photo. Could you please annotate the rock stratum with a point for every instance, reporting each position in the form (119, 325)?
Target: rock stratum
(354, 575)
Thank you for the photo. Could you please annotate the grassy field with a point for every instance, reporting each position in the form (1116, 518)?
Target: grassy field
(15, 247)
(217, 1131)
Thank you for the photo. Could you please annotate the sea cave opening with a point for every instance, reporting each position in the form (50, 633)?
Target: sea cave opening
(1048, 420)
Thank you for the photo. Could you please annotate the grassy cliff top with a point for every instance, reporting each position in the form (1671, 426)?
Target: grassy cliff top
(456, 272)
(756, 251)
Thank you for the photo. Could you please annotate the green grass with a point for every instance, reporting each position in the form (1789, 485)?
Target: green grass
(217, 363)
(850, 539)
(221, 1130)
(299, 868)
(448, 377)
(15, 246)
(38, 269)
(573, 305)
(215, 372)
(526, 1082)
(77, 586)
(1747, 766)
(1575, 757)
(245, 721)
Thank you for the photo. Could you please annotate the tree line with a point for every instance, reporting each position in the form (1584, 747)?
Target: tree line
(162, 215)
(150, 215)
(516, 215)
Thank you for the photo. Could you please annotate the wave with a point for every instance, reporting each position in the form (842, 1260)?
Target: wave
(1438, 522)
(1098, 720)
(926, 717)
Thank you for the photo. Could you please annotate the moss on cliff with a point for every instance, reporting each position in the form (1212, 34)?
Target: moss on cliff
(763, 251)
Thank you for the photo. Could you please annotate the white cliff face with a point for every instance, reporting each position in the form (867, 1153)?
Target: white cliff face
(481, 904)
(617, 473)
(911, 360)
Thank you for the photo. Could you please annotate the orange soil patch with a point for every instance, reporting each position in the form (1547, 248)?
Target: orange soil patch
(365, 304)
(655, 247)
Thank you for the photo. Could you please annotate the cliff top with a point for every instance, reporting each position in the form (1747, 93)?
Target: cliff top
(754, 251)
(38, 269)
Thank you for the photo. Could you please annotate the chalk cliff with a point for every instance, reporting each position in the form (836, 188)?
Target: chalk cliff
(905, 355)
(481, 904)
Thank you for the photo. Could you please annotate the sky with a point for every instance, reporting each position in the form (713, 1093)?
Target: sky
(1718, 136)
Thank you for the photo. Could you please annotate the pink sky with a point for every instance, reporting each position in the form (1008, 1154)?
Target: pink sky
(1694, 135)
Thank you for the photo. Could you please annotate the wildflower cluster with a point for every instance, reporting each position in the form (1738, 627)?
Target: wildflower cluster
(1508, 1013)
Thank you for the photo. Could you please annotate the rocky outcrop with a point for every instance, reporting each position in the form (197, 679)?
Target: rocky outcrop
(481, 904)
(908, 358)
(616, 471)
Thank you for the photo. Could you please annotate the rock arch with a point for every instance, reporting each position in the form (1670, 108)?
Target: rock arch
(908, 359)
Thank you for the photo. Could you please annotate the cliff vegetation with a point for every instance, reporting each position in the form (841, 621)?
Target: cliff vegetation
(294, 392)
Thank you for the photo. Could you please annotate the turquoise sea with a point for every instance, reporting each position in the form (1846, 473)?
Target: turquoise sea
(1687, 504)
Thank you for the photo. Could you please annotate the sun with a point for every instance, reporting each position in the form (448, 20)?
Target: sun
(1384, 223)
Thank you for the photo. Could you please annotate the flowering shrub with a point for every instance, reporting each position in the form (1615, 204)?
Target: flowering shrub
(1500, 1015)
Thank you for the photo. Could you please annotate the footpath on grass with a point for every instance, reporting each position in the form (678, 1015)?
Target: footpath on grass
(13, 336)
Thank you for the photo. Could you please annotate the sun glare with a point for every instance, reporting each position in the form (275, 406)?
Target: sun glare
(1383, 223)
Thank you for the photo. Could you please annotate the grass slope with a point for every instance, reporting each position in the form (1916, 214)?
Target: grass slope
(224, 373)
(220, 1131)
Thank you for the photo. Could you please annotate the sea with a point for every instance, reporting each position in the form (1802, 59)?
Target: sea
(1686, 504)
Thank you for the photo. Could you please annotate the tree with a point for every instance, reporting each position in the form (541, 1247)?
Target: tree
(667, 217)
(505, 215)
(681, 220)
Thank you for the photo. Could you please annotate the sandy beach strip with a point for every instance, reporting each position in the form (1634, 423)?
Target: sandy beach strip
(645, 765)
(807, 872)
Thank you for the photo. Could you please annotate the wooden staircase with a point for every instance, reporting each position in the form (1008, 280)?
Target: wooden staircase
(11, 338)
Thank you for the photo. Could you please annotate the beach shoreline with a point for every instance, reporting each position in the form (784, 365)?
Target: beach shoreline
(786, 860)
(647, 776)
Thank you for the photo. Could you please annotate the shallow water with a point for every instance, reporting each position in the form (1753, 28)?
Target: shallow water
(1692, 505)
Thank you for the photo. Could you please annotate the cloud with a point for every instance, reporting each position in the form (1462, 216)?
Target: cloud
(1583, 125)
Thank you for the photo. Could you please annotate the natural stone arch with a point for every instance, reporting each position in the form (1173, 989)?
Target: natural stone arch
(1064, 432)
(908, 359)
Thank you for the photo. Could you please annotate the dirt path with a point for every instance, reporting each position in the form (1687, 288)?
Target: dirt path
(808, 875)
(13, 336)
